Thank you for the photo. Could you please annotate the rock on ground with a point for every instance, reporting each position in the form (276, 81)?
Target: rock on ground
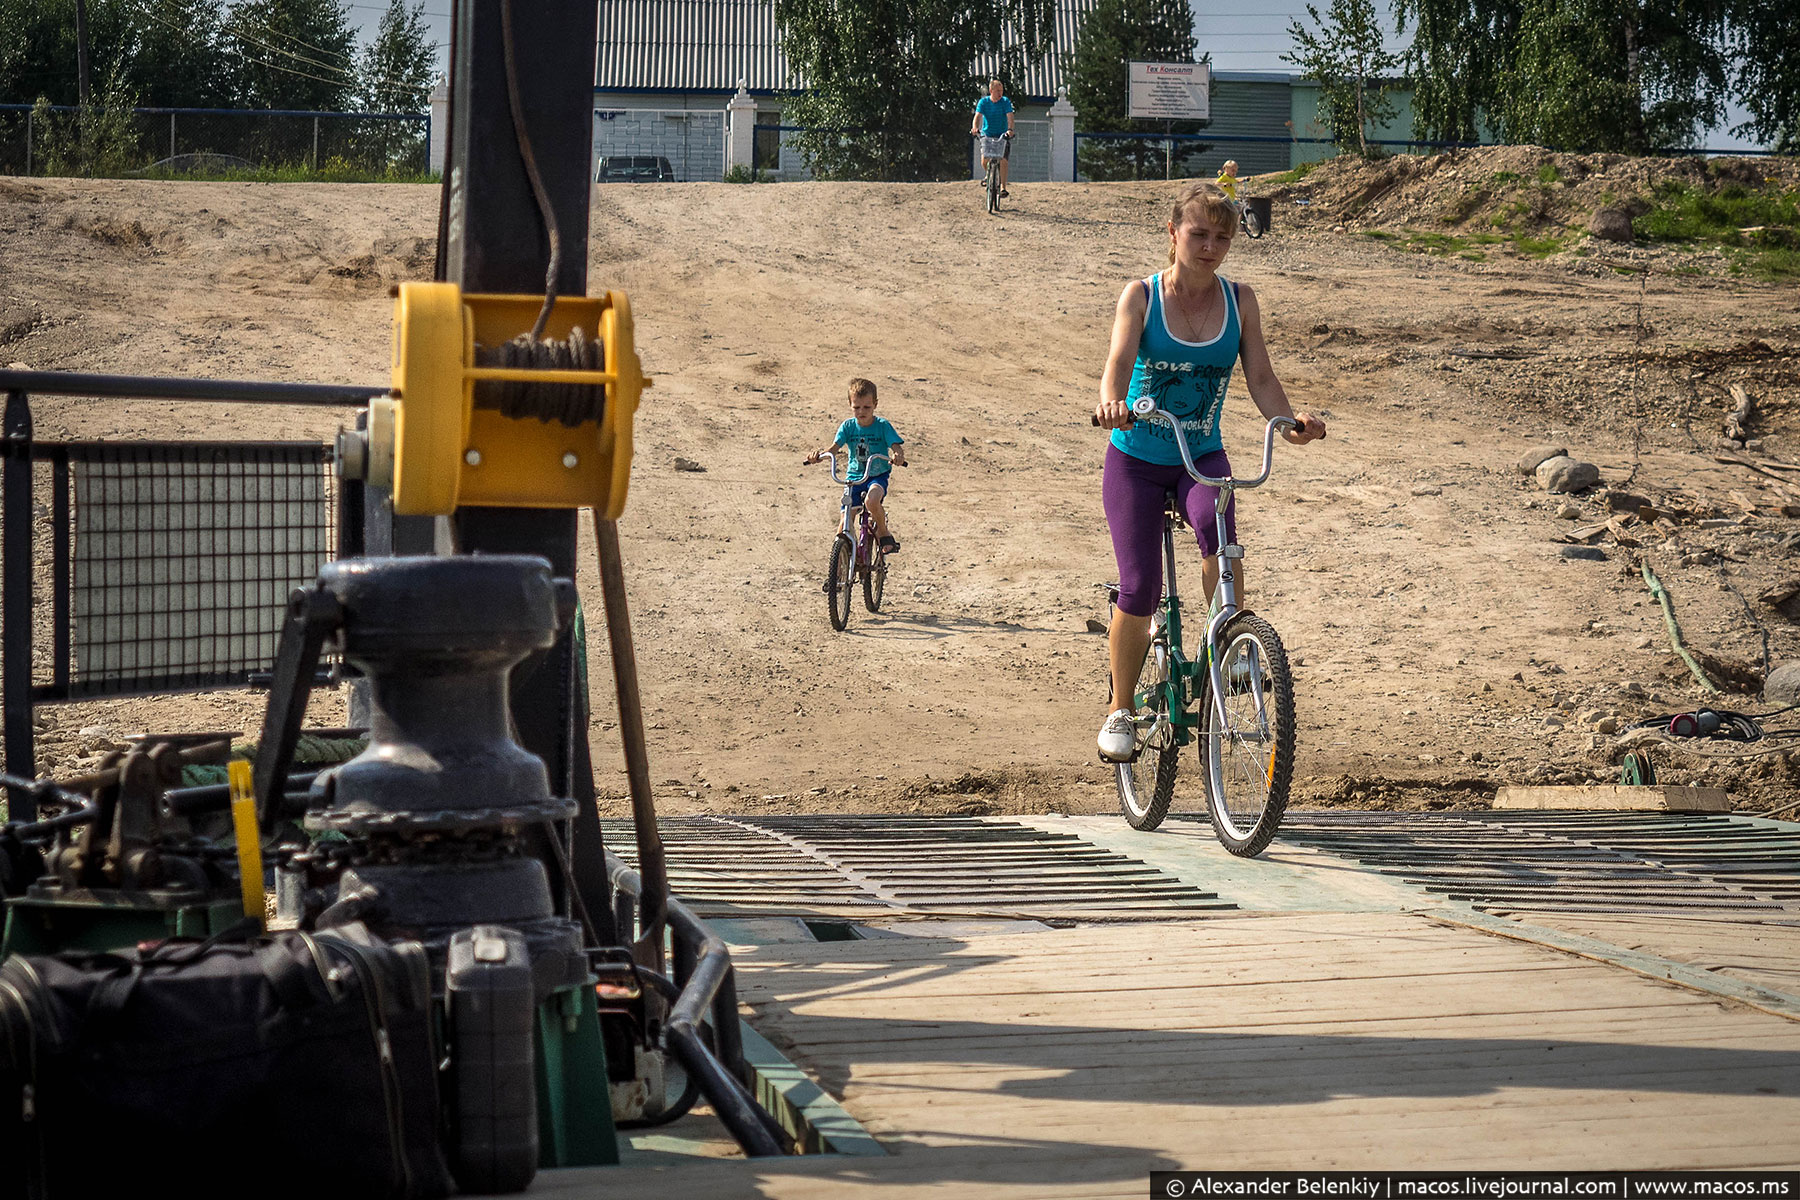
(1783, 684)
(1528, 464)
(1565, 474)
(1611, 225)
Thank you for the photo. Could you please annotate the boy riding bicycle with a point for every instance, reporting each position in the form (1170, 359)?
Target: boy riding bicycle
(993, 123)
(867, 435)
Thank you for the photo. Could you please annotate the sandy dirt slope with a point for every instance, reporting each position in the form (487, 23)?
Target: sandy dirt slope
(1444, 644)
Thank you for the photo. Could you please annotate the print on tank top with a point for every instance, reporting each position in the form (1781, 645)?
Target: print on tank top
(1187, 380)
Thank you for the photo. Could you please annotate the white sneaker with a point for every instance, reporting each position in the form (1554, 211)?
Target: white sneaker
(1118, 737)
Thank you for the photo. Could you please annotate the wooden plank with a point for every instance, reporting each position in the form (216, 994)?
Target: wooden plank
(1063, 1064)
(1603, 797)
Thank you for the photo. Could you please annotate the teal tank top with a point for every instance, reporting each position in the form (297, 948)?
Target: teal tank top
(1186, 379)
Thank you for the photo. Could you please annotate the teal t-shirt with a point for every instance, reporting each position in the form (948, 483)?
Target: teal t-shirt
(865, 440)
(993, 115)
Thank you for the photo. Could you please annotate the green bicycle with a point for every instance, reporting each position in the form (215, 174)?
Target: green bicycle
(1237, 700)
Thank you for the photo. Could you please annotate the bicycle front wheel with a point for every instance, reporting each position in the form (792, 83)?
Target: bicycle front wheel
(1252, 224)
(840, 579)
(1146, 785)
(874, 579)
(1249, 751)
(993, 187)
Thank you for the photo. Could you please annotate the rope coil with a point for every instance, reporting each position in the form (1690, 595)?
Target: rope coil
(570, 403)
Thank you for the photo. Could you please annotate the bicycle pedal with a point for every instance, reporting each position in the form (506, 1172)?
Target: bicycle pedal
(1153, 731)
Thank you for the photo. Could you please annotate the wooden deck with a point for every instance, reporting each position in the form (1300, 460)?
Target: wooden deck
(1073, 1062)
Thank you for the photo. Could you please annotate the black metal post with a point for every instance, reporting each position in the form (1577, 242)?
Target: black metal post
(15, 610)
(61, 632)
(494, 240)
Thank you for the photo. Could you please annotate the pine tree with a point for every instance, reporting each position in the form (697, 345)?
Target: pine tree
(292, 54)
(180, 60)
(889, 84)
(1349, 61)
(394, 76)
(1114, 34)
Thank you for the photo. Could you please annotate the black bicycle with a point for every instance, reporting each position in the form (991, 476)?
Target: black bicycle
(991, 181)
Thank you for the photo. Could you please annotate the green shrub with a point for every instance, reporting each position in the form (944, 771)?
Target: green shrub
(100, 139)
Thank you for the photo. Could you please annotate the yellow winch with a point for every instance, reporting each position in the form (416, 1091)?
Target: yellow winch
(481, 415)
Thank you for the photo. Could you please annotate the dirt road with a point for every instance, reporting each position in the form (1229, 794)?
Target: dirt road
(1444, 644)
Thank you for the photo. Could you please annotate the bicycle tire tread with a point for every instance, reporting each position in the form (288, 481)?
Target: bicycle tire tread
(1281, 687)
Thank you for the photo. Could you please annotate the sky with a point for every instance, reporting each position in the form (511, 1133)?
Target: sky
(1240, 38)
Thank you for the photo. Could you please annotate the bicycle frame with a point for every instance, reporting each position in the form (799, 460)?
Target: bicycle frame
(1181, 671)
(855, 521)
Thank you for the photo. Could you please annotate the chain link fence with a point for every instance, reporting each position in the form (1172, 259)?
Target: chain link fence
(49, 140)
(671, 144)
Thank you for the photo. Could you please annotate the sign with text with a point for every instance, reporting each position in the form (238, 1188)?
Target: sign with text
(1170, 91)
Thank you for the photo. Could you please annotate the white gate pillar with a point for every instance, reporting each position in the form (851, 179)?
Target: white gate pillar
(440, 124)
(740, 140)
(1062, 139)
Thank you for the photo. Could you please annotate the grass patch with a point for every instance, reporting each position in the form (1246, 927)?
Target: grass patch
(1536, 247)
(1548, 173)
(1294, 176)
(1502, 178)
(1471, 247)
(1699, 217)
(335, 171)
(1684, 214)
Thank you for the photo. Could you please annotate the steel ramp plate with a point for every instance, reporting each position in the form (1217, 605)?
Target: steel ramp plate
(939, 866)
(1588, 862)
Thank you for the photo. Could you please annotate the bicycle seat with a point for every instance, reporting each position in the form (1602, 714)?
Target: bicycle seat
(1172, 510)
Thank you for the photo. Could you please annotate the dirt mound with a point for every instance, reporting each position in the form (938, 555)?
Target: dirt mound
(1502, 187)
(129, 234)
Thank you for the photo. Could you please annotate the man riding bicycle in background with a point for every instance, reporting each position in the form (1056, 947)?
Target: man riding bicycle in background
(993, 123)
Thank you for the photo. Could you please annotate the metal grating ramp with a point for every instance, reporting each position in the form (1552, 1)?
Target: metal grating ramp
(937, 865)
(1572, 862)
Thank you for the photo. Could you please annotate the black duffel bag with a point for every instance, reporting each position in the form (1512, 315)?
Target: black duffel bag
(290, 1065)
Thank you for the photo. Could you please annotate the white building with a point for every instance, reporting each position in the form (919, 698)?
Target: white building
(666, 70)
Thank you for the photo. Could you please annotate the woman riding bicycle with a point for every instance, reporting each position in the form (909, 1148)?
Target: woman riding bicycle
(1176, 337)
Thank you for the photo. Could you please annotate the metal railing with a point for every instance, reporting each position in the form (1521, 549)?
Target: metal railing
(707, 988)
(169, 564)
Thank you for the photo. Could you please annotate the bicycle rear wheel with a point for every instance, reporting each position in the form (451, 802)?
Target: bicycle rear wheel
(874, 579)
(840, 579)
(1250, 756)
(1146, 785)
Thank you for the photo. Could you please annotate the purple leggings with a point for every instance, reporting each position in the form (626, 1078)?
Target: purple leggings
(1133, 492)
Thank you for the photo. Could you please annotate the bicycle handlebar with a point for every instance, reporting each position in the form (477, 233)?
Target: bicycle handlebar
(1144, 409)
(869, 462)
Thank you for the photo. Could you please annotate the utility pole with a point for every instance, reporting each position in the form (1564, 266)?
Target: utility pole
(82, 90)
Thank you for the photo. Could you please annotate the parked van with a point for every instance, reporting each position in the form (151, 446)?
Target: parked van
(633, 168)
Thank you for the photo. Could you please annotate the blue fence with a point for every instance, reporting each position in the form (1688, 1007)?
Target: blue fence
(40, 141)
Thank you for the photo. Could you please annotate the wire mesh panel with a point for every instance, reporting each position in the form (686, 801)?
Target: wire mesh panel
(217, 141)
(184, 555)
(1030, 158)
(650, 145)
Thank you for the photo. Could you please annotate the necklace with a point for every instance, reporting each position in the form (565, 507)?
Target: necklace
(1194, 321)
